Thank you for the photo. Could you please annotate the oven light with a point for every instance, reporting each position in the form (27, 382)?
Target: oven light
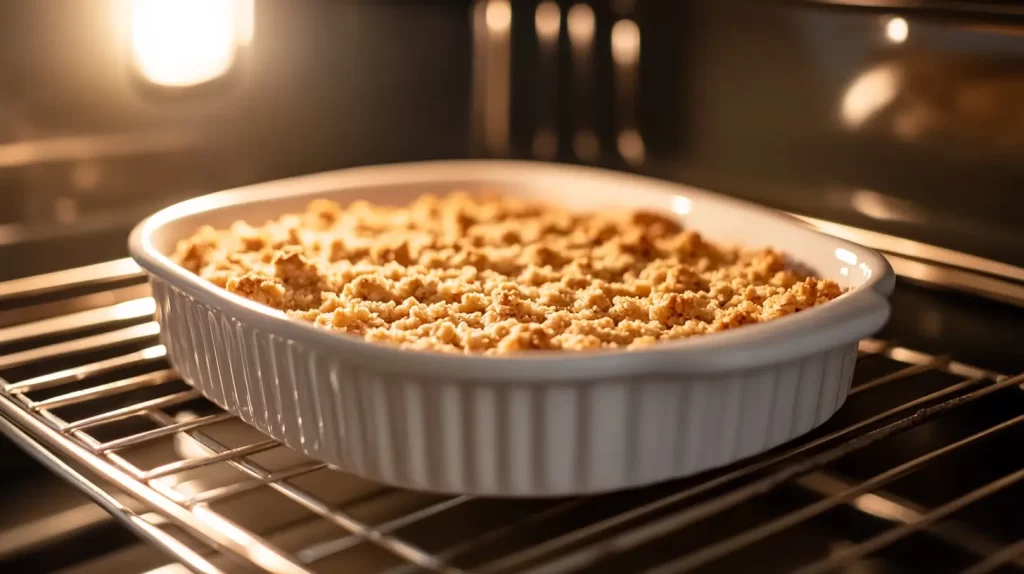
(180, 43)
(580, 22)
(625, 43)
(631, 146)
(548, 21)
(498, 16)
(897, 30)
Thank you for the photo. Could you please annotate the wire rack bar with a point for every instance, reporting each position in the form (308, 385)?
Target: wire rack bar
(222, 538)
(899, 510)
(380, 535)
(867, 347)
(262, 553)
(229, 490)
(193, 463)
(848, 554)
(1006, 555)
(82, 438)
(324, 549)
(80, 373)
(730, 545)
(153, 434)
(514, 560)
(909, 247)
(65, 324)
(400, 548)
(655, 529)
(50, 437)
(933, 363)
(88, 276)
(132, 410)
(138, 524)
(136, 333)
(534, 519)
(109, 389)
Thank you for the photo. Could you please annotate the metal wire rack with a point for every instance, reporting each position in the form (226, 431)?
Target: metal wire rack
(86, 390)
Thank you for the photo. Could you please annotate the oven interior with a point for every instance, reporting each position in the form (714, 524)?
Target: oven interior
(894, 126)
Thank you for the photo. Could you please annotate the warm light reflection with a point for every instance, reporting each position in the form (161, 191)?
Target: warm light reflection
(913, 121)
(86, 175)
(681, 204)
(133, 309)
(190, 488)
(868, 94)
(498, 16)
(186, 446)
(877, 506)
(631, 146)
(547, 20)
(246, 15)
(897, 29)
(154, 352)
(865, 270)
(625, 43)
(882, 207)
(65, 209)
(586, 145)
(188, 42)
(246, 544)
(580, 22)
(846, 256)
(492, 27)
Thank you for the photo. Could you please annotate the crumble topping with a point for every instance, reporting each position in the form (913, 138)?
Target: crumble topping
(465, 274)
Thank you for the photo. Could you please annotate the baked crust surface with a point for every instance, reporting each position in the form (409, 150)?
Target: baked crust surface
(497, 275)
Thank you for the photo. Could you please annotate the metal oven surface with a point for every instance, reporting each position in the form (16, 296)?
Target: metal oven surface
(920, 471)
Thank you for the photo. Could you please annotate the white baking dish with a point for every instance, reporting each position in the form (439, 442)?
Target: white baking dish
(538, 424)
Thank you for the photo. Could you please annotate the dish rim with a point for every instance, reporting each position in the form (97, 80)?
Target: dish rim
(849, 317)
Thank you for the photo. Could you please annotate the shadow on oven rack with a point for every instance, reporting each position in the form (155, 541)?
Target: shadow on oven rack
(85, 388)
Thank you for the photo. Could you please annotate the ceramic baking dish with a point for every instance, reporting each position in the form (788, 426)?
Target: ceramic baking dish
(537, 424)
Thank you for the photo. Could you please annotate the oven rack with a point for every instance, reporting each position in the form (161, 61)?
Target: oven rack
(116, 421)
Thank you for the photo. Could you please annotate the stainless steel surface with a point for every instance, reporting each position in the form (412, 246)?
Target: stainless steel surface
(90, 276)
(218, 496)
(937, 266)
(79, 321)
(915, 249)
(979, 8)
(106, 500)
(77, 346)
(746, 97)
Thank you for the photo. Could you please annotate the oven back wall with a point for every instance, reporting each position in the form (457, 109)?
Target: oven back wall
(88, 146)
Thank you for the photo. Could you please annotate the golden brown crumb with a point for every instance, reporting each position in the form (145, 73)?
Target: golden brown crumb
(462, 274)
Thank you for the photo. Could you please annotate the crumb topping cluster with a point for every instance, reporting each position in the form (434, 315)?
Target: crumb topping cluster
(497, 275)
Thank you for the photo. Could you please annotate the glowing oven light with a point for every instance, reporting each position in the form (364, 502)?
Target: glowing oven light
(498, 16)
(183, 43)
(897, 30)
(626, 43)
(580, 23)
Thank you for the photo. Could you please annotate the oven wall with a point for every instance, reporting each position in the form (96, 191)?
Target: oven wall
(904, 121)
(87, 148)
(740, 96)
